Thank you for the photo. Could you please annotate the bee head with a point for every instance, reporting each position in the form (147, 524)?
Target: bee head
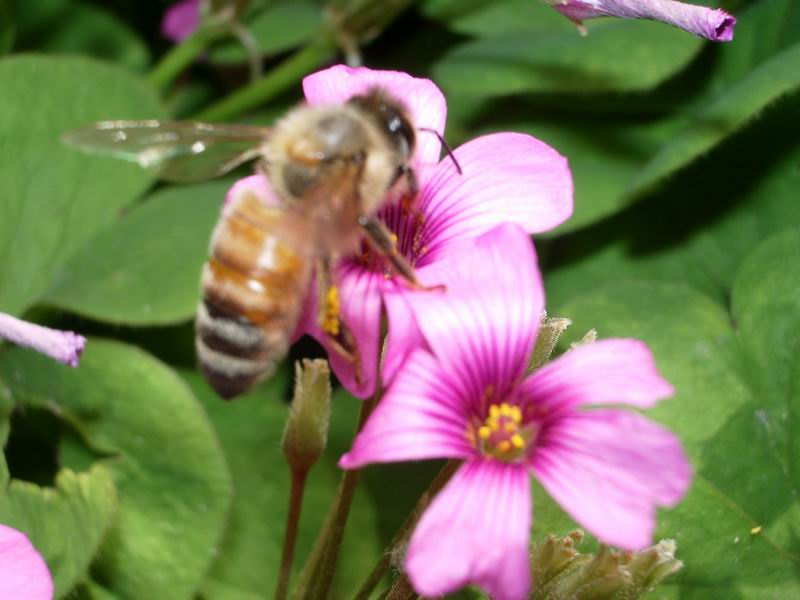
(392, 119)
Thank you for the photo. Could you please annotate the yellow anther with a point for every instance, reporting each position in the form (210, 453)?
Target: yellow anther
(484, 432)
(394, 238)
(517, 441)
(494, 411)
(505, 410)
(510, 427)
(504, 446)
(516, 414)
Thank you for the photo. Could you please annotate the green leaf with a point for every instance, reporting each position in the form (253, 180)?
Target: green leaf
(700, 226)
(54, 198)
(279, 27)
(615, 56)
(145, 268)
(79, 27)
(493, 17)
(173, 484)
(65, 524)
(6, 27)
(731, 110)
(735, 528)
(250, 429)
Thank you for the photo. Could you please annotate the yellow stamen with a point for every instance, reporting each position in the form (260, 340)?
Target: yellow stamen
(505, 410)
(494, 411)
(516, 414)
(517, 441)
(510, 427)
(504, 446)
(484, 432)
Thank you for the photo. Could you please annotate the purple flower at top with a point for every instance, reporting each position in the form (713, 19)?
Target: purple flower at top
(467, 396)
(180, 20)
(506, 177)
(64, 346)
(713, 24)
(23, 572)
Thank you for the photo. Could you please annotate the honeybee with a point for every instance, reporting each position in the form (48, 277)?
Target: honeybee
(332, 167)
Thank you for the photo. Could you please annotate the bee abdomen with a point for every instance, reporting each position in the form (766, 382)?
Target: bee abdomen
(234, 353)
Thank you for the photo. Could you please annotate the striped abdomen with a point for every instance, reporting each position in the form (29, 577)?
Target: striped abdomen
(254, 287)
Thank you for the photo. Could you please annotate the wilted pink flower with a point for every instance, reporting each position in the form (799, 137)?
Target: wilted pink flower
(467, 397)
(180, 20)
(23, 572)
(713, 24)
(507, 177)
(64, 346)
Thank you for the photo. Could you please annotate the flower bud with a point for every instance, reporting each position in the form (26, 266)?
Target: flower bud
(560, 571)
(550, 330)
(306, 432)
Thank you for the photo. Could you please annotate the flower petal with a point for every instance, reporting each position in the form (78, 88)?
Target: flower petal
(609, 469)
(419, 417)
(483, 327)
(612, 371)
(254, 184)
(507, 177)
(404, 336)
(23, 572)
(64, 346)
(424, 101)
(180, 20)
(360, 293)
(476, 531)
(713, 24)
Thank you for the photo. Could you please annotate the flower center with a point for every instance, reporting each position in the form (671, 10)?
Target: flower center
(502, 434)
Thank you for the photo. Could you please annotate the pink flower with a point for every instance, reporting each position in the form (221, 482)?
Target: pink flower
(466, 396)
(64, 346)
(23, 572)
(507, 177)
(713, 24)
(180, 20)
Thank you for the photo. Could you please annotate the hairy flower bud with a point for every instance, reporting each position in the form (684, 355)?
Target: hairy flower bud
(562, 572)
(306, 432)
(550, 330)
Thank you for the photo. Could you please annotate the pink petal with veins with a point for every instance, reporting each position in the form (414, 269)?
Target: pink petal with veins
(610, 469)
(476, 530)
(420, 417)
(506, 178)
(611, 371)
(481, 331)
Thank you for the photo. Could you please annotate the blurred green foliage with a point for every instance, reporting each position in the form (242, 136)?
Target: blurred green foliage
(686, 234)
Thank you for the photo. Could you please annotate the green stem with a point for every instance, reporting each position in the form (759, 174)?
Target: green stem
(400, 538)
(289, 539)
(174, 62)
(273, 83)
(402, 590)
(317, 575)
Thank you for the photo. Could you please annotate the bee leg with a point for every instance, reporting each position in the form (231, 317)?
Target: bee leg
(408, 203)
(340, 338)
(383, 242)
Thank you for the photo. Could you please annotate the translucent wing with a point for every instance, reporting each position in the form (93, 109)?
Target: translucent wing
(177, 151)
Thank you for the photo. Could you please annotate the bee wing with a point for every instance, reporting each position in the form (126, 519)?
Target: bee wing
(177, 151)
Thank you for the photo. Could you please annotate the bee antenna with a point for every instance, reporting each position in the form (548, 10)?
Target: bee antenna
(446, 147)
